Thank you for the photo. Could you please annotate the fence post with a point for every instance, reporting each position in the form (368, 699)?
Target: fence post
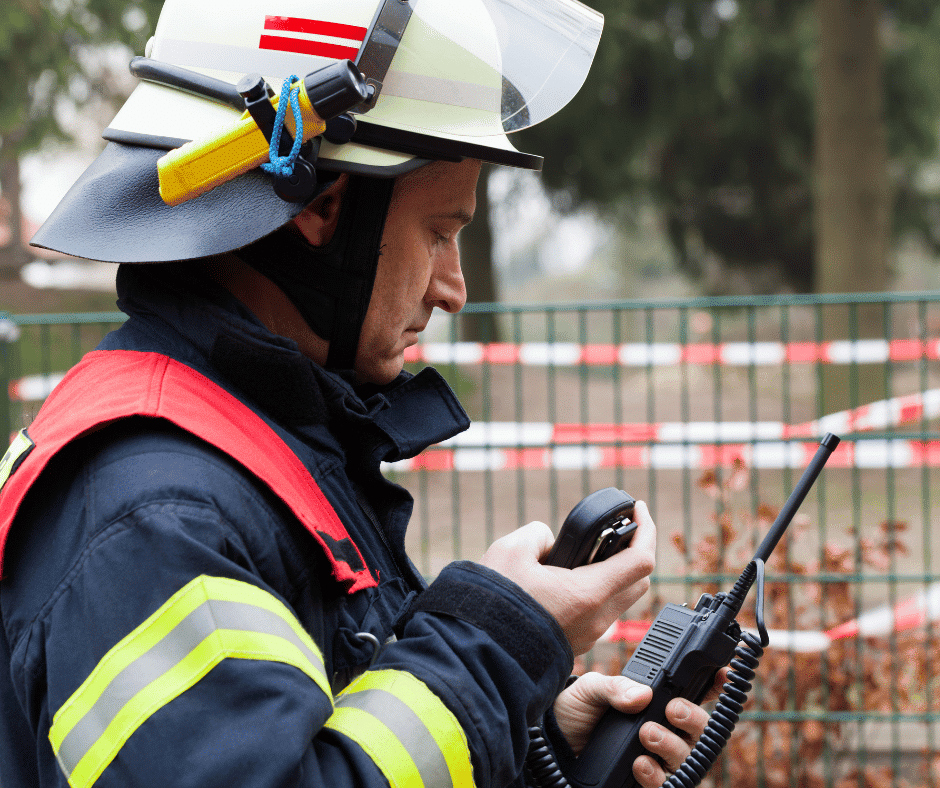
(9, 333)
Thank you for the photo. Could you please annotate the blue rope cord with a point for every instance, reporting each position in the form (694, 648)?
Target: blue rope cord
(283, 166)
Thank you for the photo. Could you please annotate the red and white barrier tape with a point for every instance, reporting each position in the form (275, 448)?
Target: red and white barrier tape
(878, 415)
(641, 354)
(34, 388)
(922, 608)
(801, 642)
(885, 413)
(919, 610)
(631, 354)
(865, 453)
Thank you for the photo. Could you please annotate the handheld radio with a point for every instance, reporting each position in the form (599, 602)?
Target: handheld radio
(679, 656)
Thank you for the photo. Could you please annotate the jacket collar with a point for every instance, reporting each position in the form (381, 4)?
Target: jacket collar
(177, 310)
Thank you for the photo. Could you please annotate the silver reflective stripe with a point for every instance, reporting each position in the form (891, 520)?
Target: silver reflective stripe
(209, 617)
(280, 65)
(408, 728)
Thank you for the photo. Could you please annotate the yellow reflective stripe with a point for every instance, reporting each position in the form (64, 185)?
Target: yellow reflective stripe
(223, 644)
(207, 621)
(437, 718)
(421, 722)
(380, 744)
(20, 445)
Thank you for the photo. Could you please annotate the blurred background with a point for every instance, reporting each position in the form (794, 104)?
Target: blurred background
(734, 247)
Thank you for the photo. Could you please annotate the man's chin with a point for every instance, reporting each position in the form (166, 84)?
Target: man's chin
(380, 372)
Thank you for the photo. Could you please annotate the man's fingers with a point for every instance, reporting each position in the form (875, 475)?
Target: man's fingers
(649, 772)
(637, 561)
(720, 679)
(622, 693)
(532, 540)
(580, 706)
(671, 748)
(670, 751)
(644, 537)
(688, 718)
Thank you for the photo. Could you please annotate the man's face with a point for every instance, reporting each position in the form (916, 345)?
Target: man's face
(419, 266)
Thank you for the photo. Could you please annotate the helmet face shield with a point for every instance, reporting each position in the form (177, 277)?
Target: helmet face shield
(496, 66)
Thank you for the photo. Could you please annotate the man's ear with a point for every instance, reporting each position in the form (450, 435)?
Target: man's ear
(317, 222)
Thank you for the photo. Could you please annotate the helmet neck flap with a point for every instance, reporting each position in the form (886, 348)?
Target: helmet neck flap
(331, 285)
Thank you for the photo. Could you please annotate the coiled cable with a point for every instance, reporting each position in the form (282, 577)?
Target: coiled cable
(731, 702)
(540, 766)
(724, 717)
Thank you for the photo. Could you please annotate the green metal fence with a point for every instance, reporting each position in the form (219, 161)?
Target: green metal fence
(707, 409)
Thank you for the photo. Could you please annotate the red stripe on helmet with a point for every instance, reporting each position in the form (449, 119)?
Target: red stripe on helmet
(290, 24)
(303, 47)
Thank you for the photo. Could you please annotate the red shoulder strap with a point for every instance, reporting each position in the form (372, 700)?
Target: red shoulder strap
(108, 385)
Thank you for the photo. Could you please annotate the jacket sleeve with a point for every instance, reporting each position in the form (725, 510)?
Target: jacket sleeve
(490, 653)
(162, 657)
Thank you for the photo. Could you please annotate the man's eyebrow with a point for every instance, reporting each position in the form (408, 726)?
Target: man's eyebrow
(459, 215)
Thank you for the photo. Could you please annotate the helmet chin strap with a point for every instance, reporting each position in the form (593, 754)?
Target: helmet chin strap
(331, 285)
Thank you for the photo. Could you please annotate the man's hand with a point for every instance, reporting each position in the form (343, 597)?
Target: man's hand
(671, 748)
(580, 706)
(587, 600)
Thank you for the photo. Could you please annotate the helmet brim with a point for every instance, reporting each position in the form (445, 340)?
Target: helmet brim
(114, 213)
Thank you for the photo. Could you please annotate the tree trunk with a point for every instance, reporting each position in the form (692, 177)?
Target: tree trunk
(853, 200)
(476, 256)
(13, 255)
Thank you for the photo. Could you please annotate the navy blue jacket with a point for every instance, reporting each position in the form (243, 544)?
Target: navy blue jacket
(122, 520)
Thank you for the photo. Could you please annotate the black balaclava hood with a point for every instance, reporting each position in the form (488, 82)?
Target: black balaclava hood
(331, 285)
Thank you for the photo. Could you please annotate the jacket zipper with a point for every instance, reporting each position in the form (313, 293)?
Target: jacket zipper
(373, 518)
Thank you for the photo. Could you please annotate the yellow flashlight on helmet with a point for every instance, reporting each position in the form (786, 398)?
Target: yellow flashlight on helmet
(199, 166)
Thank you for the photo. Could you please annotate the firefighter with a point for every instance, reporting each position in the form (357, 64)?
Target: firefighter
(204, 579)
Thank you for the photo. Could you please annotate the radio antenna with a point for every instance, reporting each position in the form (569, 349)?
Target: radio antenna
(826, 446)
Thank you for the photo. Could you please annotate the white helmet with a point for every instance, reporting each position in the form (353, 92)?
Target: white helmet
(449, 77)
(455, 74)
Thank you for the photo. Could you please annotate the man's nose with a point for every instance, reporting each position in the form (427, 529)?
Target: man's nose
(447, 289)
